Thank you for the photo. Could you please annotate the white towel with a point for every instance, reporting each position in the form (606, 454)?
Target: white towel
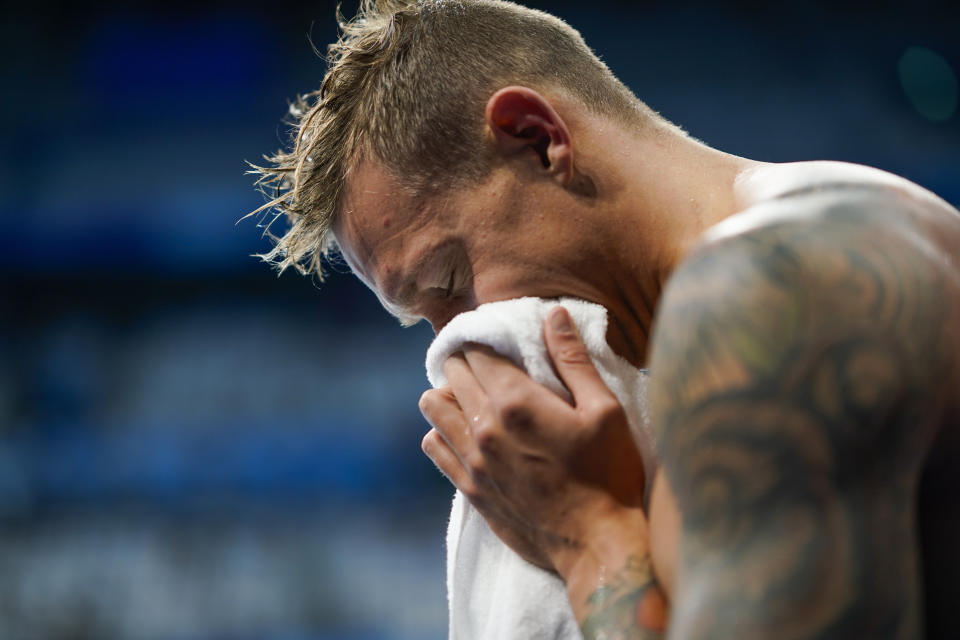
(494, 594)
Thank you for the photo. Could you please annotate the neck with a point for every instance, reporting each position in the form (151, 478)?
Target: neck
(678, 188)
(669, 191)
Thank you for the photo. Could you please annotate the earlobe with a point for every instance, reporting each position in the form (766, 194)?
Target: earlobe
(522, 120)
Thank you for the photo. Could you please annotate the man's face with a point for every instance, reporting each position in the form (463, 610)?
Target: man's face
(438, 257)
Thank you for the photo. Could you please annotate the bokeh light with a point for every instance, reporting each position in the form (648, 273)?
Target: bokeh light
(194, 449)
(929, 82)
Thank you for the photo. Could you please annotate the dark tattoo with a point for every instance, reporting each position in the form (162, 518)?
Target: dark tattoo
(800, 371)
(628, 607)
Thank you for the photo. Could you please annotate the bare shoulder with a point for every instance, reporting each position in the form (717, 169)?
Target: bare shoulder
(811, 264)
(808, 190)
(768, 181)
(803, 360)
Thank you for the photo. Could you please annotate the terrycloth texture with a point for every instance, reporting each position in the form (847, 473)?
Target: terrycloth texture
(493, 593)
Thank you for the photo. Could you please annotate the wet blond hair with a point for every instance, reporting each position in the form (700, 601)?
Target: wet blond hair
(408, 81)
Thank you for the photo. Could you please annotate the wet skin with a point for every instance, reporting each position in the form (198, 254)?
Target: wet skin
(807, 451)
(435, 258)
(760, 299)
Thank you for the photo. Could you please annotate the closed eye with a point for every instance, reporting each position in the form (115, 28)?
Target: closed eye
(448, 292)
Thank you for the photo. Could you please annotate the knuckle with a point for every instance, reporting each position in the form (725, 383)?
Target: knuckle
(484, 426)
(572, 352)
(429, 441)
(515, 412)
(517, 418)
(487, 440)
(606, 410)
(477, 466)
(426, 402)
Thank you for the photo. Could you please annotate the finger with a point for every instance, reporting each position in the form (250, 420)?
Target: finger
(494, 419)
(440, 408)
(466, 388)
(474, 441)
(513, 393)
(495, 373)
(446, 460)
(572, 361)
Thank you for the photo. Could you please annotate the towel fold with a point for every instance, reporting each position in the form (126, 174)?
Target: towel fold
(493, 594)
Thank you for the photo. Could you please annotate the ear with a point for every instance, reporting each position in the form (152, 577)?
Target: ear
(522, 120)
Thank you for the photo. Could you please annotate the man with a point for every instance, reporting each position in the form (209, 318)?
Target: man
(801, 323)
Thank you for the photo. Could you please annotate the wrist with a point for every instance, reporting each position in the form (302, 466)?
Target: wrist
(608, 538)
(611, 575)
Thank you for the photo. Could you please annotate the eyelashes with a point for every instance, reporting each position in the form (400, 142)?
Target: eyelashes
(447, 289)
(445, 274)
(448, 292)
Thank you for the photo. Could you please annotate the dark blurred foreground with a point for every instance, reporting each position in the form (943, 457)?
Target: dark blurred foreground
(191, 448)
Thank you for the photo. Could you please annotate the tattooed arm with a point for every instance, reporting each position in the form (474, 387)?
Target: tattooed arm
(628, 606)
(798, 373)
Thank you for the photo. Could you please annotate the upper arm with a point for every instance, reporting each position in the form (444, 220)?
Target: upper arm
(795, 375)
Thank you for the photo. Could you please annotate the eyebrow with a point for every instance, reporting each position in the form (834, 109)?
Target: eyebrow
(399, 293)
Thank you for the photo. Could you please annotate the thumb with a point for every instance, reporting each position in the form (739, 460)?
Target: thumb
(571, 359)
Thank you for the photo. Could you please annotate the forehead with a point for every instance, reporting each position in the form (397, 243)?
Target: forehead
(381, 226)
(374, 211)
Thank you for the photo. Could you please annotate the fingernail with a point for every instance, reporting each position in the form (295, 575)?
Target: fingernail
(560, 320)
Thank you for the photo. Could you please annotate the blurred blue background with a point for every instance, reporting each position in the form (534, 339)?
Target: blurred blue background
(192, 448)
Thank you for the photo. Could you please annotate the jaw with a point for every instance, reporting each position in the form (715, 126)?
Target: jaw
(629, 297)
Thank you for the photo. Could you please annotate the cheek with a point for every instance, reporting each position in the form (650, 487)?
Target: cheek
(531, 261)
(517, 281)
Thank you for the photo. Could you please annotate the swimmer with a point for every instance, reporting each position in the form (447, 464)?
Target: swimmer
(801, 323)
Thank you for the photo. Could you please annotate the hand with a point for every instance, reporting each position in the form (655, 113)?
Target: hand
(553, 480)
